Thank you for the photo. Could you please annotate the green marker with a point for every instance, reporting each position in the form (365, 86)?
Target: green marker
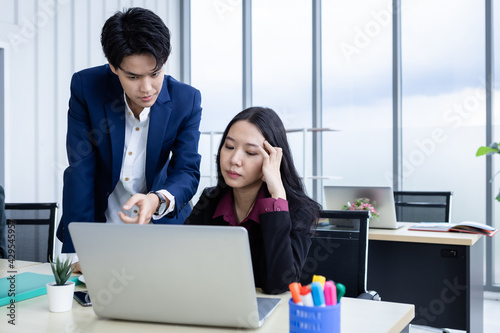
(340, 291)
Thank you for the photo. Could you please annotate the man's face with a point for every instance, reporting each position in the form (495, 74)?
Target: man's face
(139, 80)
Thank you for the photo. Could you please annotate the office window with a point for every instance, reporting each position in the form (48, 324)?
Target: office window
(496, 138)
(444, 101)
(216, 51)
(357, 92)
(2, 117)
(282, 62)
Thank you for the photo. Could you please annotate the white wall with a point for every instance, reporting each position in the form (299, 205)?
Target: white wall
(45, 42)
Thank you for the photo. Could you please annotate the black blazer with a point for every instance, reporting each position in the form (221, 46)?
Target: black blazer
(278, 248)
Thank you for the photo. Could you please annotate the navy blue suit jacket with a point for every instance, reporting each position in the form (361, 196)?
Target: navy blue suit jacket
(96, 137)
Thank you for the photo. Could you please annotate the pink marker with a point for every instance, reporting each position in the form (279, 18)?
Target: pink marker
(330, 293)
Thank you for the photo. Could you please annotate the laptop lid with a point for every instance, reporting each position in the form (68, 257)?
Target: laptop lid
(182, 274)
(381, 198)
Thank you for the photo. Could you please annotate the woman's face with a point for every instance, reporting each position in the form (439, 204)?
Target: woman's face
(240, 157)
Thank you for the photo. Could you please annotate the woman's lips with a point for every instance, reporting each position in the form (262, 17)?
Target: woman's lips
(147, 98)
(233, 174)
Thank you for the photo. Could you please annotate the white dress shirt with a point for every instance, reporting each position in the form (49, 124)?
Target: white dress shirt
(132, 175)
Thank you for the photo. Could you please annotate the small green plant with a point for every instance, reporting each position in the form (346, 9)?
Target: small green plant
(490, 150)
(62, 270)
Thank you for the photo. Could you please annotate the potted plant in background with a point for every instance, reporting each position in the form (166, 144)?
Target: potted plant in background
(60, 292)
(362, 204)
(489, 150)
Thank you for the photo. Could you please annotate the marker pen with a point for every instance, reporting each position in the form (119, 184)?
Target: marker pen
(305, 295)
(330, 293)
(319, 278)
(295, 290)
(340, 291)
(317, 294)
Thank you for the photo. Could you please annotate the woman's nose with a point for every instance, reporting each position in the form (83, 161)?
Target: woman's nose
(236, 158)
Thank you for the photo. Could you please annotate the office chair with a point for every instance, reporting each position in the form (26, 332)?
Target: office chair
(34, 229)
(423, 206)
(3, 223)
(339, 251)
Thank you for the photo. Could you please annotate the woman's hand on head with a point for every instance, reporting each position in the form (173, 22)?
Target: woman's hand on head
(271, 174)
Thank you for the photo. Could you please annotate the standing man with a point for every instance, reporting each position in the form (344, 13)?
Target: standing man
(133, 132)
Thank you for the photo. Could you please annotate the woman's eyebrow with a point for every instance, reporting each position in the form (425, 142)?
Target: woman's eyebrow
(246, 144)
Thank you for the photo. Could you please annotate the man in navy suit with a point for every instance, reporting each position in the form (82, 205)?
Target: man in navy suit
(133, 132)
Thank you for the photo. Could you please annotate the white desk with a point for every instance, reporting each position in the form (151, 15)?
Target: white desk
(5, 265)
(33, 315)
(430, 237)
(440, 272)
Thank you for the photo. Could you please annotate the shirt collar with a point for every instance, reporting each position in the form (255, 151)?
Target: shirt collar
(142, 116)
(225, 208)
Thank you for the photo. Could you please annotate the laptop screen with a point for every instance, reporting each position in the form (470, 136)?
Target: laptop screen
(380, 197)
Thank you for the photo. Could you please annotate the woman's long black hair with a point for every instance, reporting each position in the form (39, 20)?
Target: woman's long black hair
(304, 211)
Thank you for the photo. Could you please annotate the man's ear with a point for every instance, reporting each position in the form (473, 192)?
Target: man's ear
(113, 69)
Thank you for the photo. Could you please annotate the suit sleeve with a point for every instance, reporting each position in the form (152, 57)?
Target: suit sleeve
(183, 173)
(285, 250)
(79, 177)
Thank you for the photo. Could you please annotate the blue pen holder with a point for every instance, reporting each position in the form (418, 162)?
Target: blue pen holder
(307, 319)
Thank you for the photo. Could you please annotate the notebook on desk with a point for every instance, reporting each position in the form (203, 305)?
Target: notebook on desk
(181, 274)
(381, 197)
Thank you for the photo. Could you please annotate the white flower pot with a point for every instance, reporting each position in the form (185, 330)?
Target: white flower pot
(60, 297)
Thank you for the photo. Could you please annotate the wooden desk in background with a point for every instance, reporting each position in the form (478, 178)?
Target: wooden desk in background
(33, 315)
(440, 272)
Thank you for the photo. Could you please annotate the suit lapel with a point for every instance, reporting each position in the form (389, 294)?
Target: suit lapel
(115, 117)
(158, 123)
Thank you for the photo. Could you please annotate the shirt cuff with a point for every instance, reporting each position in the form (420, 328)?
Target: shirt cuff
(273, 205)
(72, 256)
(170, 208)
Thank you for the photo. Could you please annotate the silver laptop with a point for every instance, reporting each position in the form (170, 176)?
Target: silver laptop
(381, 198)
(182, 274)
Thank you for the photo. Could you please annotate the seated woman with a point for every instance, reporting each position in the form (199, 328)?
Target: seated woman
(259, 188)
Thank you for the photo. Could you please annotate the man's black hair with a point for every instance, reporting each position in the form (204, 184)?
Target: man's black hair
(135, 31)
